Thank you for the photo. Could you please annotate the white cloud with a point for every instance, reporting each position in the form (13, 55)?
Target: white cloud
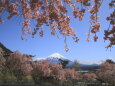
(89, 62)
(40, 58)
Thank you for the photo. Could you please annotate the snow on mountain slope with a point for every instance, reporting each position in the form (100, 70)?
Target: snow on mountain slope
(55, 58)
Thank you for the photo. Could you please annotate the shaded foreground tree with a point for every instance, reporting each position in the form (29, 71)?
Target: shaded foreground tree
(54, 13)
(76, 65)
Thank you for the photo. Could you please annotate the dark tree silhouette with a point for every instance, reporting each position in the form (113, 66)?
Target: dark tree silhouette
(64, 63)
(110, 61)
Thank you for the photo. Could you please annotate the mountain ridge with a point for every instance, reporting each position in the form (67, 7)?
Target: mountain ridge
(56, 57)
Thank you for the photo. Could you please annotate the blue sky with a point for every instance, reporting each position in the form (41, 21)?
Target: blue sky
(10, 33)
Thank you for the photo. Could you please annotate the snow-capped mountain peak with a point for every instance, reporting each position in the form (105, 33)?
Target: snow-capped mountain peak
(56, 56)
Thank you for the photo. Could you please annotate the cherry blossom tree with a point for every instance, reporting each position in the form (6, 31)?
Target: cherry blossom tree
(45, 71)
(19, 65)
(40, 70)
(54, 13)
(1, 51)
(71, 74)
(2, 60)
(89, 77)
(106, 73)
(57, 72)
(1, 56)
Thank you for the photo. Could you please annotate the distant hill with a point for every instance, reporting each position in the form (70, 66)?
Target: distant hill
(6, 50)
(91, 67)
(87, 65)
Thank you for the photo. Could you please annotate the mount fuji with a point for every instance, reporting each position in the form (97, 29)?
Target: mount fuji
(56, 58)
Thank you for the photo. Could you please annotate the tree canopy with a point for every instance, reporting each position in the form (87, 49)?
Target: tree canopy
(54, 14)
